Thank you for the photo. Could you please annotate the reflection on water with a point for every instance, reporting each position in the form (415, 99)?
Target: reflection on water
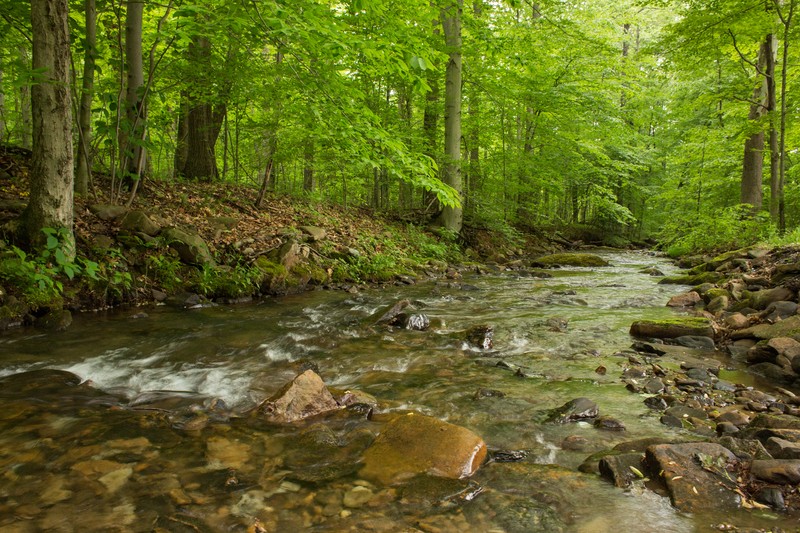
(122, 456)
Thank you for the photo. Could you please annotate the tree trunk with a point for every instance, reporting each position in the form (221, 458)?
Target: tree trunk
(430, 128)
(772, 105)
(753, 159)
(204, 119)
(309, 179)
(181, 137)
(134, 153)
(83, 172)
(51, 178)
(451, 217)
(2, 107)
(405, 193)
(25, 104)
(786, 19)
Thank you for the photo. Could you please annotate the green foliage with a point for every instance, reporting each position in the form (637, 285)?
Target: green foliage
(109, 280)
(717, 231)
(166, 270)
(226, 282)
(34, 278)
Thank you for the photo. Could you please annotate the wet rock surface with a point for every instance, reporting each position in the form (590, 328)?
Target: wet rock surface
(413, 444)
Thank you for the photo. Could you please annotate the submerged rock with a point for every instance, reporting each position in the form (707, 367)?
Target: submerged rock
(672, 328)
(417, 444)
(686, 299)
(305, 396)
(696, 475)
(481, 336)
(572, 259)
(573, 410)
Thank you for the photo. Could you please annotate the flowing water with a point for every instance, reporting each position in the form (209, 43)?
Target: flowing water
(144, 446)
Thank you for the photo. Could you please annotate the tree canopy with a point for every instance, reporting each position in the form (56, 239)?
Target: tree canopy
(627, 119)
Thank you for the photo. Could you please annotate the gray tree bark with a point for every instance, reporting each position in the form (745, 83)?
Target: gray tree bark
(134, 153)
(84, 169)
(51, 180)
(25, 104)
(753, 159)
(451, 217)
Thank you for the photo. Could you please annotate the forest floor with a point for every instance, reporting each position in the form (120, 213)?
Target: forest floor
(289, 244)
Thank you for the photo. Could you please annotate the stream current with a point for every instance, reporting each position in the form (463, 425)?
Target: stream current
(146, 447)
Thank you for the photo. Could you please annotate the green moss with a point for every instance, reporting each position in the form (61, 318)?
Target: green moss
(672, 327)
(310, 273)
(696, 279)
(571, 259)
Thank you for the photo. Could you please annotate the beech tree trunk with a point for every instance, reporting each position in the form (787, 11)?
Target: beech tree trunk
(84, 169)
(309, 179)
(51, 178)
(753, 159)
(25, 104)
(451, 217)
(203, 119)
(134, 153)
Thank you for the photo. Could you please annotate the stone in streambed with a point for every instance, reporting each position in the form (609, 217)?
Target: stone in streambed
(789, 327)
(574, 410)
(481, 336)
(686, 299)
(779, 471)
(622, 469)
(672, 328)
(572, 259)
(694, 474)
(305, 396)
(414, 444)
(762, 299)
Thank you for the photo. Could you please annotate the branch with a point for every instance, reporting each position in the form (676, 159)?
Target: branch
(741, 55)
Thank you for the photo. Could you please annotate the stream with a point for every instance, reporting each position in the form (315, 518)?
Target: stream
(157, 439)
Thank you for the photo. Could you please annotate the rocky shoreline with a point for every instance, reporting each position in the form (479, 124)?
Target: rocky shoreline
(745, 448)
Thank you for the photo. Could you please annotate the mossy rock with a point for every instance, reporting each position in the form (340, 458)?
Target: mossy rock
(672, 328)
(789, 327)
(760, 300)
(693, 279)
(191, 248)
(309, 273)
(274, 274)
(572, 259)
(713, 294)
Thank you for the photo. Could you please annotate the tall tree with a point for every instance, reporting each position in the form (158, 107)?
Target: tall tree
(84, 168)
(51, 181)
(753, 159)
(134, 153)
(451, 216)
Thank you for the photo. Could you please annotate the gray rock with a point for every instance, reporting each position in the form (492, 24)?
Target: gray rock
(139, 222)
(780, 310)
(695, 475)
(762, 299)
(305, 396)
(686, 299)
(314, 232)
(55, 320)
(695, 342)
(574, 410)
(191, 248)
(107, 212)
(481, 336)
(778, 471)
(782, 449)
(619, 469)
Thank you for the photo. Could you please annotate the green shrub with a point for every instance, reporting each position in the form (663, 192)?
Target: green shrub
(729, 229)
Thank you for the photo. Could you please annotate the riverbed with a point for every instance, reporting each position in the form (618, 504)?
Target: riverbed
(157, 437)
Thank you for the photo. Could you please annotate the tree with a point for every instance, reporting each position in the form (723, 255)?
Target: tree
(451, 217)
(134, 154)
(84, 169)
(51, 181)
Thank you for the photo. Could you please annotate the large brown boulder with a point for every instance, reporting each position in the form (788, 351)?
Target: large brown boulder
(672, 328)
(414, 444)
(303, 397)
(696, 475)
